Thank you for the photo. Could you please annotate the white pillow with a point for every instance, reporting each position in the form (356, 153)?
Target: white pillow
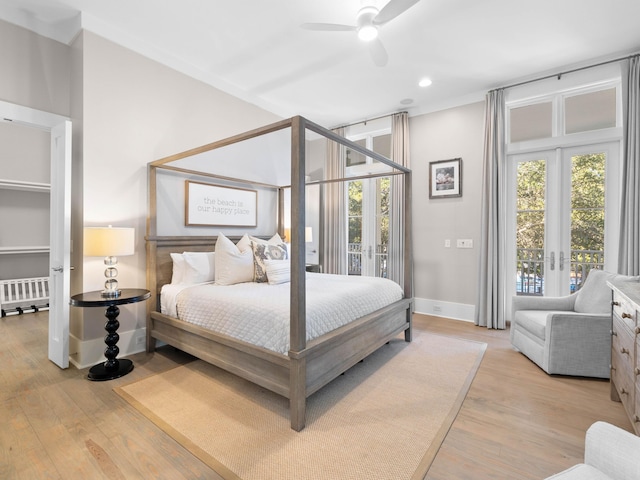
(178, 268)
(199, 267)
(278, 271)
(233, 264)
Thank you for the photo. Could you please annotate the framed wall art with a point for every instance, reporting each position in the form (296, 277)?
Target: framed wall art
(445, 178)
(207, 204)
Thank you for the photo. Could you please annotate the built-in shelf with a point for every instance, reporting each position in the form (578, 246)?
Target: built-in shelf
(23, 250)
(25, 186)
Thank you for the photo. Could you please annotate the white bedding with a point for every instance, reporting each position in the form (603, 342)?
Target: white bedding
(258, 313)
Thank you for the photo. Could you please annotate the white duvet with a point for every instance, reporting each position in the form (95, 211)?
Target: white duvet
(258, 313)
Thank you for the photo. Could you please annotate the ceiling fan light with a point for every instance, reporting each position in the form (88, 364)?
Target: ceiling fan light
(425, 82)
(366, 33)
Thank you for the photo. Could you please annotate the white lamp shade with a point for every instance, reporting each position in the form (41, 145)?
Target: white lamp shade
(308, 234)
(109, 241)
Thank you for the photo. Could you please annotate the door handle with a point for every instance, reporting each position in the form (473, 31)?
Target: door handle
(561, 261)
(552, 261)
(57, 269)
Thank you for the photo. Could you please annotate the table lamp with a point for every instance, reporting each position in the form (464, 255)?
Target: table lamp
(110, 243)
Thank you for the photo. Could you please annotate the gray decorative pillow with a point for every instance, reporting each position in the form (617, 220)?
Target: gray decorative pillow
(263, 252)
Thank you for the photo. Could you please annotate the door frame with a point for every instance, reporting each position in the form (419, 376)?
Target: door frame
(59, 127)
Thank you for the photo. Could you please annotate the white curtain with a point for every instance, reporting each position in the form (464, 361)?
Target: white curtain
(490, 311)
(629, 252)
(400, 155)
(335, 211)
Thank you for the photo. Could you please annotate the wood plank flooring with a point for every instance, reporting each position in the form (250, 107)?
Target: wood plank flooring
(516, 422)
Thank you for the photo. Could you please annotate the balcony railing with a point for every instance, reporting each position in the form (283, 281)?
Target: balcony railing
(530, 269)
(354, 259)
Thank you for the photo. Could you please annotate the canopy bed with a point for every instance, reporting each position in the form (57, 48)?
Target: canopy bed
(244, 181)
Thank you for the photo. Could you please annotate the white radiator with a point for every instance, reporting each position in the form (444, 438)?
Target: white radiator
(24, 295)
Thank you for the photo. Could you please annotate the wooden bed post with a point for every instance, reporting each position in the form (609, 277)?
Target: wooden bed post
(408, 254)
(298, 319)
(152, 232)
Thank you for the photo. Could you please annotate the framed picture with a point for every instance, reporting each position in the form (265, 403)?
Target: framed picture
(445, 178)
(221, 206)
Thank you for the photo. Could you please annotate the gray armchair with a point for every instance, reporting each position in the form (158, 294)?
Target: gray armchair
(568, 335)
(610, 453)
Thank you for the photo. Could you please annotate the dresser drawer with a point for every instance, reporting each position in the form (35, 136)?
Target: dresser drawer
(622, 362)
(624, 310)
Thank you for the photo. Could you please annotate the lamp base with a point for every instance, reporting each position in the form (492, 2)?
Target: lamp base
(111, 293)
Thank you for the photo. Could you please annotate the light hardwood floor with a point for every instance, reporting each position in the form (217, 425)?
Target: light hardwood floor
(516, 422)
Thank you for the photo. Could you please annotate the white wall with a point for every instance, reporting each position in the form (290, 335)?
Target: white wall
(134, 111)
(445, 278)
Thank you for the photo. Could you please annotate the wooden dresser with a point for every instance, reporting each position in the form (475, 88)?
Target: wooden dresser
(625, 349)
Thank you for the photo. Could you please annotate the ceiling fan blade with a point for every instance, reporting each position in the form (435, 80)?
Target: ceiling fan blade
(392, 9)
(378, 52)
(328, 27)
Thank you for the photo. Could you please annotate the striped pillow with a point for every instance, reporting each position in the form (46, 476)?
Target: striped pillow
(278, 271)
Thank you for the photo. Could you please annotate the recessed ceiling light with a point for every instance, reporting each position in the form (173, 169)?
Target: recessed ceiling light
(425, 82)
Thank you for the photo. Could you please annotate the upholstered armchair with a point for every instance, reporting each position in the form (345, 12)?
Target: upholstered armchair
(610, 453)
(568, 335)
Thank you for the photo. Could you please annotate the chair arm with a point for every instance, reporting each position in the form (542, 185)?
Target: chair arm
(613, 451)
(526, 302)
(578, 344)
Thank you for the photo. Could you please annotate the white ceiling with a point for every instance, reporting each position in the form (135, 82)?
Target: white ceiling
(256, 49)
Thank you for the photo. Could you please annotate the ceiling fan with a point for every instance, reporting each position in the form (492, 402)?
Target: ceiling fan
(368, 21)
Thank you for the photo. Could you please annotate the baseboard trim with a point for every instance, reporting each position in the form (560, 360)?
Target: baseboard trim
(437, 308)
(87, 353)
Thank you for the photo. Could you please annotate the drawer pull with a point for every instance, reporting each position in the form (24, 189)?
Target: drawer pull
(636, 371)
(615, 304)
(637, 330)
(624, 350)
(613, 333)
(636, 419)
(623, 391)
(626, 315)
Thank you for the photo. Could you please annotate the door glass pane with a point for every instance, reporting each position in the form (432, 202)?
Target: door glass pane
(587, 216)
(530, 227)
(530, 122)
(382, 225)
(590, 111)
(354, 248)
(356, 158)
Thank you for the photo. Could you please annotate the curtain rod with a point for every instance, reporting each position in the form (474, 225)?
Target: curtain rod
(559, 75)
(368, 120)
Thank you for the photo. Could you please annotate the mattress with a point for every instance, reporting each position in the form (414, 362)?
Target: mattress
(258, 313)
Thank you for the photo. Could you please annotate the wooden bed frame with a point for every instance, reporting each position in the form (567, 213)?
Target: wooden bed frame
(309, 365)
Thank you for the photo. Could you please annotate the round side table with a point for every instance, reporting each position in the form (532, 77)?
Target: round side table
(112, 367)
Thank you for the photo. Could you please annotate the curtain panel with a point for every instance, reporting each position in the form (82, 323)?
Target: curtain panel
(335, 210)
(629, 248)
(490, 311)
(400, 155)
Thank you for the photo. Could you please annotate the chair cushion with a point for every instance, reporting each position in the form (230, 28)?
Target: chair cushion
(534, 321)
(580, 472)
(595, 295)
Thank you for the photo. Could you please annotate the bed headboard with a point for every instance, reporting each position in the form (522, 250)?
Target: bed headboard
(160, 265)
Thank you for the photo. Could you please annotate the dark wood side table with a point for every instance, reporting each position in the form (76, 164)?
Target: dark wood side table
(112, 368)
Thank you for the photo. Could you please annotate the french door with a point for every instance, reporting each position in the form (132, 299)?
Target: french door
(368, 226)
(368, 207)
(563, 215)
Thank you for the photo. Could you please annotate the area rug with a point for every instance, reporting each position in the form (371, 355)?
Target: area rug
(385, 418)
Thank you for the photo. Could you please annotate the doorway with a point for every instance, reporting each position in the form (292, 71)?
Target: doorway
(563, 211)
(59, 237)
(368, 207)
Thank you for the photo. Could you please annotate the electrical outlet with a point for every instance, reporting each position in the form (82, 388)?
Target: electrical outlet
(447, 243)
(140, 340)
(464, 243)
(437, 309)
